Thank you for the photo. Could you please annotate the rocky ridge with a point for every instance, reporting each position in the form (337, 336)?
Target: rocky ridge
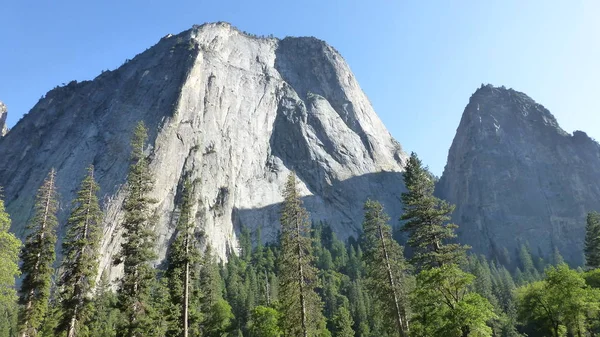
(232, 112)
(518, 178)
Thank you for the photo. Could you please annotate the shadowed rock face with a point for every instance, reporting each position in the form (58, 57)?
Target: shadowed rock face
(517, 177)
(232, 112)
(3, 115)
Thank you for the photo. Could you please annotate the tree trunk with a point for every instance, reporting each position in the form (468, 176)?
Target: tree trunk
(186, 295)
(301, 280)
(399, 319)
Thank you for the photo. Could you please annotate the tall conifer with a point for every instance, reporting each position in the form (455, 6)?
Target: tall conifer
(592, 241)
(386, 268)
(426, 219)
(80, 263)
(137, 249)
(301, 306)
(183, 259)
(38, 255)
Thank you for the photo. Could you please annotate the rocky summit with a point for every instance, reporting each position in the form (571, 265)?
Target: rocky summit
(3, 115)
(234, 113)
(518, 178)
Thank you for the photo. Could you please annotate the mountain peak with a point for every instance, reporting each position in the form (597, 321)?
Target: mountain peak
(233, 113)
(518, 178)
(501, 106)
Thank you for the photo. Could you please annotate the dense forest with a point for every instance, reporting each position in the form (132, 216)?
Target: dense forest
(308, 283)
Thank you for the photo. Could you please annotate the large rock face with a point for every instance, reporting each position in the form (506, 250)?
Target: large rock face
(3, 115)
(517, 177)
(232, 112)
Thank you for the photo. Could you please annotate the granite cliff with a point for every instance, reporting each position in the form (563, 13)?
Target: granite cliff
(233, 112)
(3, 115)
(518, 178)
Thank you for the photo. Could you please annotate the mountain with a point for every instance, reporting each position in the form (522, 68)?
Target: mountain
(518, 178)
(3, 115)
(233, 112)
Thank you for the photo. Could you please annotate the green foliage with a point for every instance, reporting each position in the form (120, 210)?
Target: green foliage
(387, 271)
(561, 303)
(137, 248)
(301, 306)
(264, 322)
(9, 319)
(425, 219)
(38, 255)
(218, 320)
(592, 241)
(80, 263)
(443, 305)
(343, 322)
(105, 312)
(10, 246)
(183, 264)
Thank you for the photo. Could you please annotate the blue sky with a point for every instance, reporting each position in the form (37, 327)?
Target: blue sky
(418, 61)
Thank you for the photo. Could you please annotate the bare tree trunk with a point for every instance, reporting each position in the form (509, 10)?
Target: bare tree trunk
(401, 324)
(268, 290)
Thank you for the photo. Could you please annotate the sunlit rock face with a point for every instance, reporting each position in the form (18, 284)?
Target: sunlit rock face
(3, 115)
(232, 112)
(518, 178)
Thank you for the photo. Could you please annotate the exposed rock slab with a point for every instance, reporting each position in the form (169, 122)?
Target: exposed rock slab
(3, 116)
(234, 113)
(517, 177)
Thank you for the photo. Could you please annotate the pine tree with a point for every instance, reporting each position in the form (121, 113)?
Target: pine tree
(592, 241)
(343, 323)
(9, 270)
(137, 249)
(301, 306)
(425, 219)
(183, 259)
(38, 255)
(386, 268)
(106, 315)
(80, 264)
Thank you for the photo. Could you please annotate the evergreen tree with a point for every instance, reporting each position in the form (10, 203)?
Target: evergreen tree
(80, 263)
(342, 322)
(9, 270)
(183, 259)
(217, 314)
(592, 241)
(137, 249)
(425, 219)
(105, 312)
(301, 306)
(38, 255)
(386, 268)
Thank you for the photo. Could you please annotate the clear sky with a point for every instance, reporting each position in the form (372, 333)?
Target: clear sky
(417, 61)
